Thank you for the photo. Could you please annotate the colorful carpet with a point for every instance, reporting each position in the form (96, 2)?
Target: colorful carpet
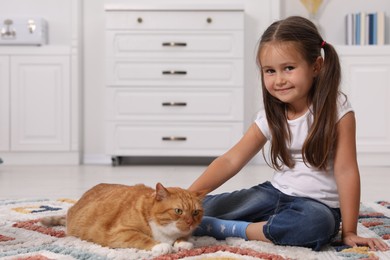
(22, 238)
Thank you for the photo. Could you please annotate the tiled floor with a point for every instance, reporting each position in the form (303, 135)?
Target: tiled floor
(71, 181)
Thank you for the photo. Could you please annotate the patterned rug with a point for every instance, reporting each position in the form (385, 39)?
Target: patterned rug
(22, 238)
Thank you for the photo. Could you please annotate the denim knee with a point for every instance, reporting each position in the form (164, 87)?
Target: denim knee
(254, 204)
(303, 222)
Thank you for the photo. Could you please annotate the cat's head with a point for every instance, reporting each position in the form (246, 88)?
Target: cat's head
(178, 207)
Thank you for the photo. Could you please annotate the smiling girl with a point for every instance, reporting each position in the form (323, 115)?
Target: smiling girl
(310, 126)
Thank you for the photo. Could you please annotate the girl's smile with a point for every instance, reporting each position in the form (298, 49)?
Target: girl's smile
(284, 90)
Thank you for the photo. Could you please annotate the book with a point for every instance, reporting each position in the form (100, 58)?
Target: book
(370, 29)
(349, 29)
(358, 29)
(380, 28)
(363, 29)
(375, 29)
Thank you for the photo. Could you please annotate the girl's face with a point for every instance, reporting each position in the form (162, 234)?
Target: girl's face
(287, 76)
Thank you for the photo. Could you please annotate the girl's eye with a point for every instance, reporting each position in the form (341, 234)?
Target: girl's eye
(289, 68)
(178, 211)
(269, 71)
(195, 213)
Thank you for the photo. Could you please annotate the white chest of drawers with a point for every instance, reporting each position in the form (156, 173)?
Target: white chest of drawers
(174, 82)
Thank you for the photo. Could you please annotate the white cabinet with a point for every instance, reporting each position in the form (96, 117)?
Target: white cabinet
(366, 80)
(4, 103)
(36, 100)
(40, 103)
(173, 88)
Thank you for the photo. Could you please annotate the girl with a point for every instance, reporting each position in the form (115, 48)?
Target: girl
(311, 129)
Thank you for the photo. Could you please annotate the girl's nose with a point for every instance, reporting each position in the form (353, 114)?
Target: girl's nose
(280, 80)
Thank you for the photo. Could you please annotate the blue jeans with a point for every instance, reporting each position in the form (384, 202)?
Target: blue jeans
(294, 221)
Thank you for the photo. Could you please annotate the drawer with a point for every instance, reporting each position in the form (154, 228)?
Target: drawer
(173, 104)
(171, 139)
(175, 44)
(171, 20)
(222, 73)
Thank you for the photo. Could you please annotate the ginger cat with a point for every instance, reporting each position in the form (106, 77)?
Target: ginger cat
(120, 216)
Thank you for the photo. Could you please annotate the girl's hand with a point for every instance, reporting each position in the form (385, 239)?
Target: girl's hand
(353, 240)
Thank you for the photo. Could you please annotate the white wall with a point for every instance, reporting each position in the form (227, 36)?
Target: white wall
(259, 14)
(94, 78)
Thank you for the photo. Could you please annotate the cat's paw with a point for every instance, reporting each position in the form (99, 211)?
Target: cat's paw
(162, 248)
(180, 245)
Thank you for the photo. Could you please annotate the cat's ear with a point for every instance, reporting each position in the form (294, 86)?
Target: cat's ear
(161, 192)
(201, 194)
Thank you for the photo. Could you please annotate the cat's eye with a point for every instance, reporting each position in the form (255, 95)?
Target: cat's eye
(195, 213)
(178, 211)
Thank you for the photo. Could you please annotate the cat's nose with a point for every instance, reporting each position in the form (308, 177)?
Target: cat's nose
(189, 221)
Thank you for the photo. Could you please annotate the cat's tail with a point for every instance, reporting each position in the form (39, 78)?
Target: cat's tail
(53, 221)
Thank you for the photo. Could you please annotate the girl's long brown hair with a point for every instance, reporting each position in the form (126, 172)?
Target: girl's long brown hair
(319, 144)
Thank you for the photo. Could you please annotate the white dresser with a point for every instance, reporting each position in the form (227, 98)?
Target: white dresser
(174, 81)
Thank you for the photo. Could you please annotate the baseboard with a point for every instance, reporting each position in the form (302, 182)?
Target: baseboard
(103, 159)
(40, 158)
(96, 159)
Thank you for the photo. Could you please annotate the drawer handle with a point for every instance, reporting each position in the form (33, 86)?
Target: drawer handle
(174, 104)
(209, 20)
(7, 31)
(174, 138)
(140, 20)
(174, 72)
(174, 44)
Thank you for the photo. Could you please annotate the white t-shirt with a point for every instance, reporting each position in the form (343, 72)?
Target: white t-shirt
(304, 181)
